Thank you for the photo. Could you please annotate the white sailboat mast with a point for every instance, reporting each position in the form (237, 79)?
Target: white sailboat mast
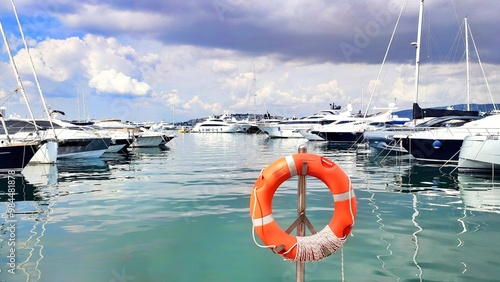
(417, 47)
(33, 69)
(78, 102)
(467, 61)
(254, 89)
(18, 78)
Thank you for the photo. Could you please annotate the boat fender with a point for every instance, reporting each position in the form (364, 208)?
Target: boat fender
(436, 144)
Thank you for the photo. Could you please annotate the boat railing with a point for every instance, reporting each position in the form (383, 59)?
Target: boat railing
(462, 131)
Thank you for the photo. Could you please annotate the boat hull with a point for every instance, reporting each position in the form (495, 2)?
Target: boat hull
(147, 141)
(433, 150)
(15, 157)
(83, 148)
(384, 148)
(47, 153)
(307, 133)
(340, 137)
(480, 153)
(383, 142)
(166, 139)
(279, 132)
(119, 145)
(216, 129)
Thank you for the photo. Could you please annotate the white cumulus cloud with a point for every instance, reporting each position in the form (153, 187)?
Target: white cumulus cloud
(112, 81)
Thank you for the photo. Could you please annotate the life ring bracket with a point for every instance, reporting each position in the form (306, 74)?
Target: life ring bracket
(302, 218)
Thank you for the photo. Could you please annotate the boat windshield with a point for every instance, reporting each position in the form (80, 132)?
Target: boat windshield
(448, 121)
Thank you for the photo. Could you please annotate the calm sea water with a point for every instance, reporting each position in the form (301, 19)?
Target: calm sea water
(182, 214)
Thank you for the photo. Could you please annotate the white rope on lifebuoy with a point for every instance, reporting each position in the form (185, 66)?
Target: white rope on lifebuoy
(318, 246)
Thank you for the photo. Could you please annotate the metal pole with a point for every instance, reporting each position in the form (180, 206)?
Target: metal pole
(301, 210)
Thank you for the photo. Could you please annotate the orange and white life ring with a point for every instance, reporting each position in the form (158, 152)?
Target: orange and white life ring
(303, 248)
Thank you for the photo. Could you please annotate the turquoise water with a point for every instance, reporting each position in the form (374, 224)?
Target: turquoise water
(182, 214)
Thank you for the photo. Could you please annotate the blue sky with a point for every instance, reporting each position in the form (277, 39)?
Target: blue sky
(176, 60)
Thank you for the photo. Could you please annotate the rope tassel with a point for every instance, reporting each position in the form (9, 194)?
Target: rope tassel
(318, 246)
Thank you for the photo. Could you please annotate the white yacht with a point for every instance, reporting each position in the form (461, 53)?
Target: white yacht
(480, 153)
(443, 144)
(223, 124)
(291, 128)
(14, 155)
(150, 138)
(137, 136)
(381, 139)
(349, 130)
(32, 147)
(73, 141)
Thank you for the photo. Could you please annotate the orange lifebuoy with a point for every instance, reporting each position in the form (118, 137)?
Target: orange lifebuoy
(307, 248)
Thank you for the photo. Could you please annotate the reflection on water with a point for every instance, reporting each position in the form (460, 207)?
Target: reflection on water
(41, 174)
(480, 192)
(148, 213)
(419, 229)
(24, 191)
(117, 159)
(77, 171)
(143, 152)
(40, 198)
(26, 218)
(76, 166)
(28, 182)
(426, 177)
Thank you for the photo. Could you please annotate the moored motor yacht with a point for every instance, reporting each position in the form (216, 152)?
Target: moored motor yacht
(381, 139)
(349, 130)
(137, 136)
(291, 128)
(443, 144)
(480, 153)
(213, 124)
(73, 141)
(16, 155)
